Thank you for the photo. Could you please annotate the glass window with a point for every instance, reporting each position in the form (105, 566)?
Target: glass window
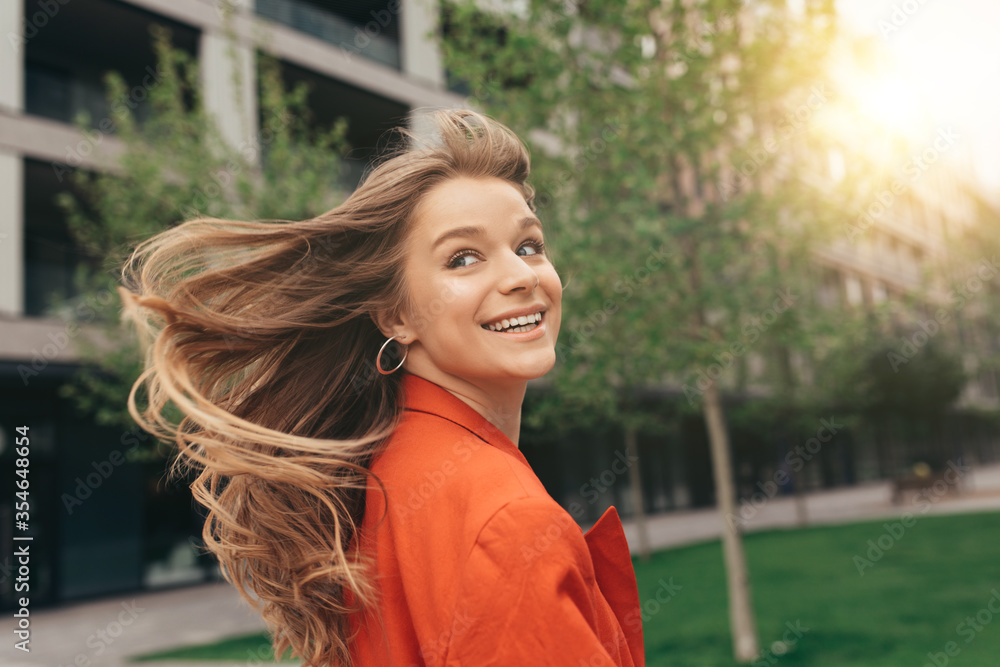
(364, 28)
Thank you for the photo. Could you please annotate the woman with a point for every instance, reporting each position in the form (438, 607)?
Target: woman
(351, 390)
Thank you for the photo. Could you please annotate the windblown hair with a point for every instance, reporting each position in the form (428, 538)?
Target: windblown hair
(260, 339)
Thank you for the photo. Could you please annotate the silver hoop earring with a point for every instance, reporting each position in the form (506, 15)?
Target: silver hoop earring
(378, 359)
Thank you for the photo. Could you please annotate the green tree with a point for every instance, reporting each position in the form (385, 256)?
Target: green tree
(175, 165)
(972, 295)
(667, 150)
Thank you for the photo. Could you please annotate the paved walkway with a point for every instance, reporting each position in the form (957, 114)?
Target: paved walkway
(103, 633)
(870, 501)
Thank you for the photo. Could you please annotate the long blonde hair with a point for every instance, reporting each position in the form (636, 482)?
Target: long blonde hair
(260, 367)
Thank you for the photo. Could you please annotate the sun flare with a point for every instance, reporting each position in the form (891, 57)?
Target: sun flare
(888, 101)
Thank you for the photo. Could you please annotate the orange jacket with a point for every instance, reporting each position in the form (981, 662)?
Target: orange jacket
(477, 565)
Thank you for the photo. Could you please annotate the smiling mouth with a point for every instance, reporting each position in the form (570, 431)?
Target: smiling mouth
(517, 324)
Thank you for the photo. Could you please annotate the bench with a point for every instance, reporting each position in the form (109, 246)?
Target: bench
(938, 482)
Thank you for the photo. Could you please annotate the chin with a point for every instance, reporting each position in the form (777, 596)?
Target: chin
(515, 369)
(534, 371)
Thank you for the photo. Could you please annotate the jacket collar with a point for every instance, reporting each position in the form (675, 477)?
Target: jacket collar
(420, 395)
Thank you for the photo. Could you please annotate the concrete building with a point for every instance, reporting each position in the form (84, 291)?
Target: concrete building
(102, 521)
(884, 261)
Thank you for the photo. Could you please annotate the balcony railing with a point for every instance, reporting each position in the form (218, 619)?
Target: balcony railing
(341, 32)
(60, 94)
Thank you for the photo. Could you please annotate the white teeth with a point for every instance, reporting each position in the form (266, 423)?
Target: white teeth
(517, 322)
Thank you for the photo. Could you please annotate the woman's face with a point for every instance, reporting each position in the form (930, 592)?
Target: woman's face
(474, 259)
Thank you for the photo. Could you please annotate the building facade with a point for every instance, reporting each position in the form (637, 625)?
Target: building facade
(103, 519)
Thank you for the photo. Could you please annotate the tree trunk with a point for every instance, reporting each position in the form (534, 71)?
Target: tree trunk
(635, 479)
(788, 390)
(801, 512)
(741, 616)
(798, 496)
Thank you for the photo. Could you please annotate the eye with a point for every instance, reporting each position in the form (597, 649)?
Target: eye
(536, 247)
(457, 260)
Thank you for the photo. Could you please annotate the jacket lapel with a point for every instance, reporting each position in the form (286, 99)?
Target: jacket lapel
(616, 577)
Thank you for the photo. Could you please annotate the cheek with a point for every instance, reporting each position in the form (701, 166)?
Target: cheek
(447, 302)
(553, 285)
(432, 298)
(549, 281)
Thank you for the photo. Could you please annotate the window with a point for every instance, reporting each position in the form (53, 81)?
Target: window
(363, 27)
(879, 294)
(51, 255)
(66, 63)
(853, 290)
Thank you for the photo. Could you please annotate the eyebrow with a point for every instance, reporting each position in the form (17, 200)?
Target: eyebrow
(476, 231)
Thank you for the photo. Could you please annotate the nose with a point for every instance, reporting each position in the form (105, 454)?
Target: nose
(517, 275)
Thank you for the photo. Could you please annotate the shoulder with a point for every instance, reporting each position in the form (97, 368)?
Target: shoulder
(525, 530)
(529, 575)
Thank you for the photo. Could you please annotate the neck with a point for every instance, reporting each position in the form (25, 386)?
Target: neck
(502, 409)
(498, 402)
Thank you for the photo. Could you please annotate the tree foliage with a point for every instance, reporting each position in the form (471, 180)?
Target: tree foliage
(671, 153)
(677, 197)
(176, 165)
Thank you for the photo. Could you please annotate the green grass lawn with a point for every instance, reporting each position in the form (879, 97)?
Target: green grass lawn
(248, 649)
(908, 603)
(913, 600)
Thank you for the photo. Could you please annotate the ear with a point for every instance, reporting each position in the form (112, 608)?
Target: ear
(393, 324)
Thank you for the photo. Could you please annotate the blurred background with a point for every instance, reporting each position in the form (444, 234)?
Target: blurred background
(779, 228)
